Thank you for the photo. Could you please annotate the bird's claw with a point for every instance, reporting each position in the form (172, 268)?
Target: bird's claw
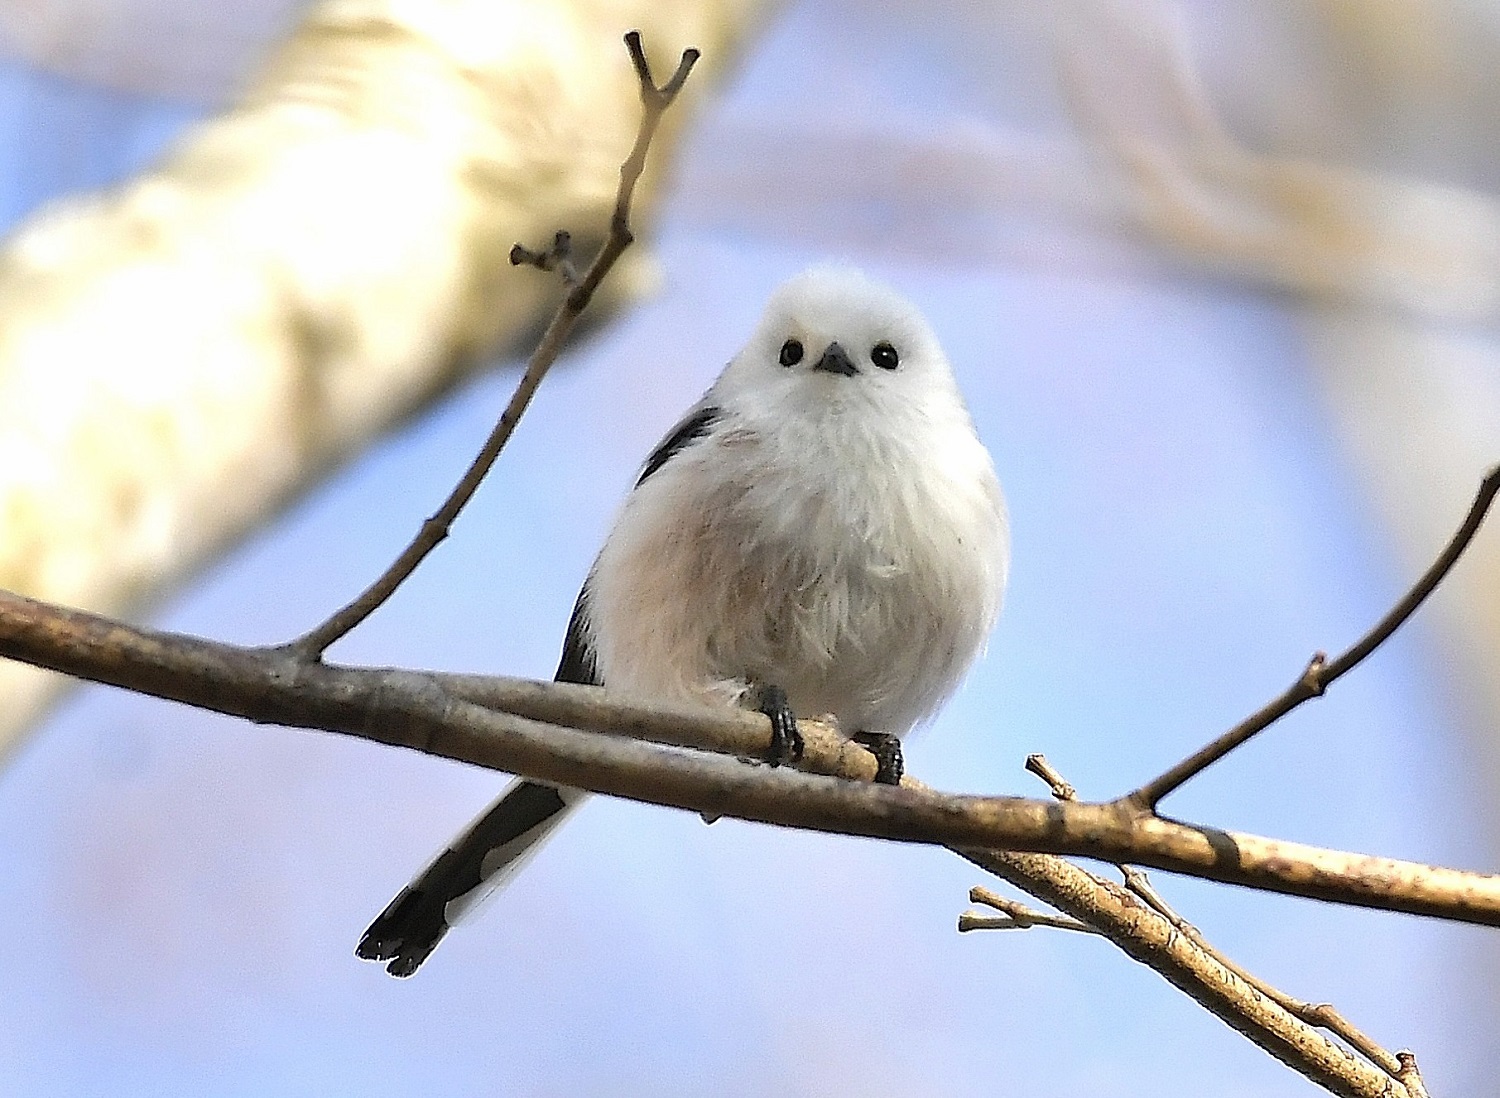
(889, 762)
(786, 740)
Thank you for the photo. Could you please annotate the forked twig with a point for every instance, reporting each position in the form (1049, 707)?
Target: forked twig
(1322, 672)
(654, 101)
(1014, 915)
(1400, 1066)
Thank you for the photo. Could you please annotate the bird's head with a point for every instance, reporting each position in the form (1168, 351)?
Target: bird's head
(833, 338)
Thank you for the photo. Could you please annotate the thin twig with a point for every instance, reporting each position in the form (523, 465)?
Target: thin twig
(1409, 1076)
(1322, 672)
(1038, 765)
(1151, 939)
(1014, 915)
(1139, 883)
(655, 101)
(1321, 1015)
(558, 256)
(1022, 917)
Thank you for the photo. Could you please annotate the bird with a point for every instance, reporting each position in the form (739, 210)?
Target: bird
(821, 534)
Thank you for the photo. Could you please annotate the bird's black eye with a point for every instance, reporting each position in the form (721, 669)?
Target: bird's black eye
(791, 353)
(885, 356)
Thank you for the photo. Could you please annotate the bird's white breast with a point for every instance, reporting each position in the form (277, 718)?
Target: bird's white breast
(859, 570)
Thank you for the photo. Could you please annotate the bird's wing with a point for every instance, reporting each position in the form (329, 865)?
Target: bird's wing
(692, 427)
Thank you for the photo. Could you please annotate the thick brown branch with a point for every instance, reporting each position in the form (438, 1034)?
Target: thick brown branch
(655, 101)
(1322, 672)
(414, 710)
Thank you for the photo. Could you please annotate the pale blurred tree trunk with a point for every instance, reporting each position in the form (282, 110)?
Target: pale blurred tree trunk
(182, 355)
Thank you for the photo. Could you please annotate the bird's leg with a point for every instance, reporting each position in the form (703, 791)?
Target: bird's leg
(786, 741)
(889, 764)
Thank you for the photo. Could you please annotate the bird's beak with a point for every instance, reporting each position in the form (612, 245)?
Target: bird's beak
(836, 360)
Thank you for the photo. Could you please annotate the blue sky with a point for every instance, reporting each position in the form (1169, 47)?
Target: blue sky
(184, 892)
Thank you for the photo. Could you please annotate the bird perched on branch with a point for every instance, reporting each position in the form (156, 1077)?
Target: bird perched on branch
(822, 533)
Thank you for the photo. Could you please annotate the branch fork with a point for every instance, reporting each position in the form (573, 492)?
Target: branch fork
(1254, 1006)
(557, 257)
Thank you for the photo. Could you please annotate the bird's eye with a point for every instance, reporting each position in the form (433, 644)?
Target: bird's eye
(791, 353)
(885, 356)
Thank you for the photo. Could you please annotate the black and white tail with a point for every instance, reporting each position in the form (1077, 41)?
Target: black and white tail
(482, 859)
(487, 854)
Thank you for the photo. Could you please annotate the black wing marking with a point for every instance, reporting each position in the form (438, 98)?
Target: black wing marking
(689, 431)
(578, 663)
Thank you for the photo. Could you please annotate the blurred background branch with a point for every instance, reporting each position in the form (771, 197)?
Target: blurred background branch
(297, 276)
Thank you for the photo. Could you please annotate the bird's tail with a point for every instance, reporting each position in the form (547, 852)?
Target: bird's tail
(483, 858)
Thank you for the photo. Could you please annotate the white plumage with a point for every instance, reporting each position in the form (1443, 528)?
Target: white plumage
(843, 538)
(824, 521)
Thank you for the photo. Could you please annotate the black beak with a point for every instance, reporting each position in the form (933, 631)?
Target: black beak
(836, 361)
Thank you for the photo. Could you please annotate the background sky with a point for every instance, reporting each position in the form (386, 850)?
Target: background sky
(184, 892)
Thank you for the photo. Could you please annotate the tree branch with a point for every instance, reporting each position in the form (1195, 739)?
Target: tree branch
(654, 101)
(1323, 1015)
(1150, 938)
(413, 709)
(1266, 1027)
(1014, 916)
(1321, 673)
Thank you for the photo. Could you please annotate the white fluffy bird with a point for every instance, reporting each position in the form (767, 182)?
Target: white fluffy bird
(822, 533)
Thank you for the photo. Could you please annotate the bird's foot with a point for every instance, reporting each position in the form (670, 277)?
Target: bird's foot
(889, 763)
(786, 741)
